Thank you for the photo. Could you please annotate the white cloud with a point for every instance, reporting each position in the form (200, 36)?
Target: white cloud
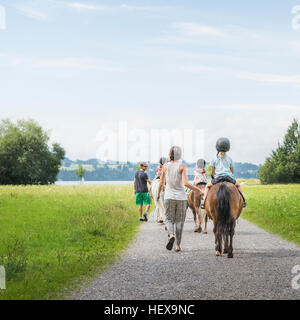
(196, 69)
(259, 77)
(270, 78)
(258, 107)
(190, 33)
(30, 12)
(138, 8)
(76, 63)
(67, 64)
(85, 6)
(195, 29)
(296, 46)
(77, 5)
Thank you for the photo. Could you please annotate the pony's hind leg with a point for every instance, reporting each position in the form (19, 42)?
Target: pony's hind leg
(226, 250)
(219, 246)
(230, 249)
(195, 220)
(205, 223)
(218, 242)
(200, 219)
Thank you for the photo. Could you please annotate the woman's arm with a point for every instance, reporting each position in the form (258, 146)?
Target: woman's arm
(134, 184)
(185, 179)
(162, 181)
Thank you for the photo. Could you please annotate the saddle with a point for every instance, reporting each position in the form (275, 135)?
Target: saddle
(230, 180)
(224, 179)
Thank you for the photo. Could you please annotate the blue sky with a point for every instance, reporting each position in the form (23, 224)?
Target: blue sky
(229, 67)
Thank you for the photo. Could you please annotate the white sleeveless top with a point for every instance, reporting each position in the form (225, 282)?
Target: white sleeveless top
(174, 186)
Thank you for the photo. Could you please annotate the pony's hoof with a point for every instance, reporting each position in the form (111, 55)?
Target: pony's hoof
(205, 232)
(218, 253)
(230, 255)
(225, 251)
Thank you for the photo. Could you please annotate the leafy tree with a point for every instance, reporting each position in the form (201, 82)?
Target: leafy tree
(80, 172)
(138, 166)
(25, 157)
(208, 170)
(283, 166)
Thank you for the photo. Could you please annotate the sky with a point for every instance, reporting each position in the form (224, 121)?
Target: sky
(221, 68)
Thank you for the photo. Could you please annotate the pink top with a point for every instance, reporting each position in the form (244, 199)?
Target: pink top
(199, 176)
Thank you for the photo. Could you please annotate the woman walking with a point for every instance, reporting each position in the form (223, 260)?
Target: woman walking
(174, 173)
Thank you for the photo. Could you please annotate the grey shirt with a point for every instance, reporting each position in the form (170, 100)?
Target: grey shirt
(141, 178)
(174, 187)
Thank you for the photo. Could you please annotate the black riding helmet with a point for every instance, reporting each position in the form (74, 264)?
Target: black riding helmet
(162, 160)
(223, 145)
(201, 163)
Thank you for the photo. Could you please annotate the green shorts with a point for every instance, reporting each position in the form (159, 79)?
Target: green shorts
(142, 198)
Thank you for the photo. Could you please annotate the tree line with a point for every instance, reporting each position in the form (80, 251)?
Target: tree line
(283, 165)
(27, 158)
(113, 171)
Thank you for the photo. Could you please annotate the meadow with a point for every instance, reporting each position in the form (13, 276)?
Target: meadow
(275, 208)
(55, 237)
(52, 237)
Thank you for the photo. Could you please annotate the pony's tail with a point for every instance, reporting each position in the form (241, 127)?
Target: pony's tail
(224, 221)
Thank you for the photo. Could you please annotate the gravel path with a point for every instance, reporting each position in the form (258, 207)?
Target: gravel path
(261, 267)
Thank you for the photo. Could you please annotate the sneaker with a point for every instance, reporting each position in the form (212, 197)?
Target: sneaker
(145, 216)
(141, 219)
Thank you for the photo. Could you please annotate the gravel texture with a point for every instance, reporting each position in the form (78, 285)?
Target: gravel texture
(261, 267)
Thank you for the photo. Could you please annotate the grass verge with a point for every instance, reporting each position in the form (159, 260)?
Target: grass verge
(275, 208)
(54, 235)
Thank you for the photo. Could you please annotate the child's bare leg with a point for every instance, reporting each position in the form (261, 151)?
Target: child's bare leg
(208, 186)
(239, 187)
(206, 191)
(241, 192)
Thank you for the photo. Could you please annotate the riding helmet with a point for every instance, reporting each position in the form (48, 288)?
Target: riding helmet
(162, 160)
(223, 145)
(201, 163)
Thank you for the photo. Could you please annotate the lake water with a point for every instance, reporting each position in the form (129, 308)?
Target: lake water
(91, 183)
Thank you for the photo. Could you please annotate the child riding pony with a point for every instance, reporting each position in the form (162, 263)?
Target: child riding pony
(222, 169)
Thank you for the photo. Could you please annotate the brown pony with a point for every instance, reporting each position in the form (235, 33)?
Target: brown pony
(194, 200)
(224, 205)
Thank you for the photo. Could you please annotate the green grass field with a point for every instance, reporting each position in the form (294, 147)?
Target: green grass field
(52, 236)
(275, 208)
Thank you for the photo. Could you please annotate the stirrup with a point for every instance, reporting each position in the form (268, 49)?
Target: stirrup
(202, 205)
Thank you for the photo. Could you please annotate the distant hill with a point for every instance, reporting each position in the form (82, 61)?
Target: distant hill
(113, 171)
